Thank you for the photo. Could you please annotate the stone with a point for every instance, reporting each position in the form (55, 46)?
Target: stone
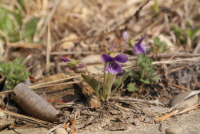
(2, 115)
(186, 103)
(174, 130)
(60, 131)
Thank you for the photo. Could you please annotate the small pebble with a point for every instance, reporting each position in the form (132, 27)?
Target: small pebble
(186, 103)
(60, 131)
(2, 115)
(174, 130)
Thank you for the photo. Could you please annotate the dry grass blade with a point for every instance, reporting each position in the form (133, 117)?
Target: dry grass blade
(48, 49)
(74, 124)
(66, 125)
(37, 121)
(189, 108)
(54, 81)
(50, 85)
(178, 86)
(46, 84)
(176, 112)
(166, 116)
(176, 61)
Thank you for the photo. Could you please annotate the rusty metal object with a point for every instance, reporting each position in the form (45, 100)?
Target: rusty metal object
(34, 105)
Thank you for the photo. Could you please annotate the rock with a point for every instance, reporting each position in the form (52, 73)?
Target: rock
(91, 59)
(60, 131)
(174, 130)
(69, 44)
(2, 115)
(186, 103)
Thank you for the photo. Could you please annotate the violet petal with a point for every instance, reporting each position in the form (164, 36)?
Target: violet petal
(112, 46)
(65, 59)
(80, 65)
(140, 49)
(121, 58)
(140, 41)
(114, 70)
(125, 36)
(106, 58)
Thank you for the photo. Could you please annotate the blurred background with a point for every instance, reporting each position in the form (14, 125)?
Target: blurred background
(83, 27)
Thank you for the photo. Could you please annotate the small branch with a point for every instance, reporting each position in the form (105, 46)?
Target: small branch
(156, 102)
(178, 86)
(37, 121)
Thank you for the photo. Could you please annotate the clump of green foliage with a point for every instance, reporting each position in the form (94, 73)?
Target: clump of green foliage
(188, 36)
(147, 72)
(146, 75)
(14, 72)
(161, 46)
(12, 25)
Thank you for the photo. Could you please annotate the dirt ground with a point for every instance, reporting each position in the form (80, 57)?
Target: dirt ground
(189, 122)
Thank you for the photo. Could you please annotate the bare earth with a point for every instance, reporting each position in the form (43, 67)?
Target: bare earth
(189, 122)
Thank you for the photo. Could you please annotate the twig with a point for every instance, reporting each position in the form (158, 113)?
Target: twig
(173, 55)
(26, 45)
(156, 102)
(175, 61)
(189, 109)
(66, 125)
(37, 121)
(168, 55)
(178, 86)
(45, 84)
(174, 70)
(166, 116)
(54, 81)
(73, 124)
(66, 83)
(63, 53)
(176, 112)
(48, 49)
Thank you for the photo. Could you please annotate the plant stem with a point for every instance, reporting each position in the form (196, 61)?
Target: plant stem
(109, 79)
(104, 82)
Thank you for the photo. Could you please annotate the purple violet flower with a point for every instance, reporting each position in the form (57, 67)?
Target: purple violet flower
(80, 65)
(112, 46)
(65, 59)
(125, 36)
(139, 48)
(113, 67)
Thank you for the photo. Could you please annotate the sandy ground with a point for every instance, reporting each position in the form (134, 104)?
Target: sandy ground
(189, 122)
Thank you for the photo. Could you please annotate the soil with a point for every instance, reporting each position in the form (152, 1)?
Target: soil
(189, 122)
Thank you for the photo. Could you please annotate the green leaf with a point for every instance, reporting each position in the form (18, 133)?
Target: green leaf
(155, 7)
(160, 45)
(73, 63)
(14, 72)
(145, 81)
(22, 4)
(194, 32)
(30, 27)
(177, 30)
(121, 79)
(154, 78)
(132, 88)
(92, 82)
(9, 86)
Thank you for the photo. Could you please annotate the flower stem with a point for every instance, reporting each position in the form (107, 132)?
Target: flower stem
(108, 82)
